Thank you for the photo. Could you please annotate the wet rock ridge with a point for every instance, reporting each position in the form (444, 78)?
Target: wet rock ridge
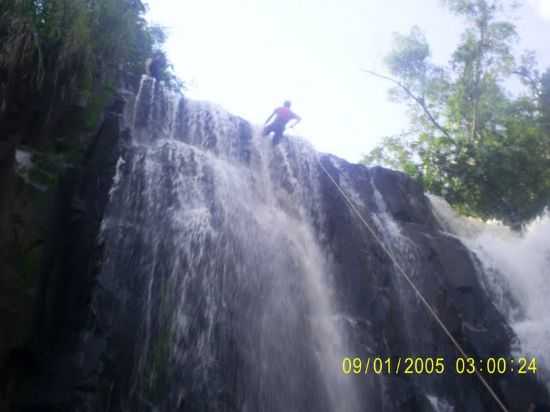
(61, 205)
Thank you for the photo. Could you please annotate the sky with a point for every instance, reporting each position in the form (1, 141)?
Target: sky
(250, 55)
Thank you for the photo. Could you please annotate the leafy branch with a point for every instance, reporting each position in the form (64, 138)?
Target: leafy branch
(419, 100)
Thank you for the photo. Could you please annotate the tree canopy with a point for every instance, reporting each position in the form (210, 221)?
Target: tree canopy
(472, 141)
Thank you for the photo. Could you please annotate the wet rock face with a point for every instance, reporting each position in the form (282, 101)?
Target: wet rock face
(195, 266)
(387, 317)
(404, 198)
(63, 356)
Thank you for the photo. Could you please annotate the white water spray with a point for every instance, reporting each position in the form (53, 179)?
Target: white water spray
(516, 272)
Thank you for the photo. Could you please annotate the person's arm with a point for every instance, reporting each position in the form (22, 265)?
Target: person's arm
(297, 119)
(270, 117)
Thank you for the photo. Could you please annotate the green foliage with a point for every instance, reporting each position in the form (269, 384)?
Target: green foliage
(394, 152)
(487, 153)
(545, 101)
(408, 60)
(60, 53)
(96, 104)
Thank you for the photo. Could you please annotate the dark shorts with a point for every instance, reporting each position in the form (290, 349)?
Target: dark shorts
(275, 127)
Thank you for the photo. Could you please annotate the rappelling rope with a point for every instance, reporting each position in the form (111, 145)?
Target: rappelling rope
(411, 283)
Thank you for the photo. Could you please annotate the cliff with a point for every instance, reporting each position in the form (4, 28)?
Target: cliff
(192, 265)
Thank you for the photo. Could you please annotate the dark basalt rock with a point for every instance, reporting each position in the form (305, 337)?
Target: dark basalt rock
(404, 198)
(66, 348)
(443, 269)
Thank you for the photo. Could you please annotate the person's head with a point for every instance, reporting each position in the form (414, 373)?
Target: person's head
(287, 103)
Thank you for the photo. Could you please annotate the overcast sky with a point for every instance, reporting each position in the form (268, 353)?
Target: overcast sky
(250, 55)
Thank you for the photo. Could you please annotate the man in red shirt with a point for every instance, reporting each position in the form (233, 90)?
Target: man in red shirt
(282, 115)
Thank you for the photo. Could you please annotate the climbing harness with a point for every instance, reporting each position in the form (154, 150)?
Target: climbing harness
(400, 269)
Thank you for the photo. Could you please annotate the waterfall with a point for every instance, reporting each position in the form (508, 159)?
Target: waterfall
(213, 241)
(516, 273)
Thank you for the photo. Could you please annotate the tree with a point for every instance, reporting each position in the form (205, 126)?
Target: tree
(484, 151)
(545, 101)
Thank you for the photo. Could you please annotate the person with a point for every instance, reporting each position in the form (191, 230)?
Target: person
(156, 65)
(283, 115)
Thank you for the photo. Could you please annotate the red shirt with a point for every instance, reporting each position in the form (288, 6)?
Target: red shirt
(284, 115)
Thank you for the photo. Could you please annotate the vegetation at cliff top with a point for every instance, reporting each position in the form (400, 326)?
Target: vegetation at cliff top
(56, 55)
(471, 141)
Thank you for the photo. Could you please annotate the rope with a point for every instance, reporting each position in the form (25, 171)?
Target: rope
(413, 286)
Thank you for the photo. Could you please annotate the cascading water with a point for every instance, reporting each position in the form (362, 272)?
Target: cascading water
(226, 288)
(516, 273)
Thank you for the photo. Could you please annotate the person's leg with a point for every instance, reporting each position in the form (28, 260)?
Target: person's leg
(278, 135)
(268, 129)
